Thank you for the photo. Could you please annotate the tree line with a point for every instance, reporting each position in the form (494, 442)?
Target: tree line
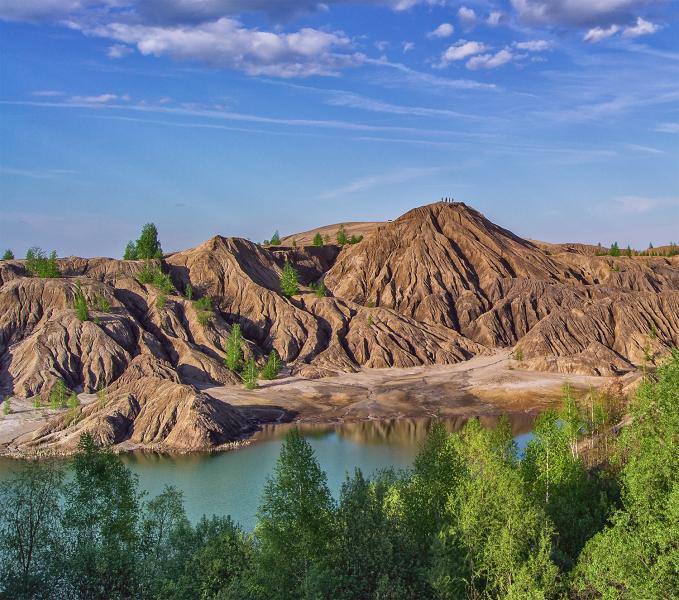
(471, 519)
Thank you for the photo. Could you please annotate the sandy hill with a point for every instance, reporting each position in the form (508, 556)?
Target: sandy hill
(438, 285)
(329, 232)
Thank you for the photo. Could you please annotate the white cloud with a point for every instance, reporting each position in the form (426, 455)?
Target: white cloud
(460, 51)
(668, 128)
(372, 181)
(47, 93)
(575, 12)
(642, 27)
(533, 45)
(490, 61)
(596, 34)
(100, 99)
(382, 45)
(444, 30)
(467, 16)
(118, 51)
(408, 46)
(643, 204)
(496, 18)
(227, 43)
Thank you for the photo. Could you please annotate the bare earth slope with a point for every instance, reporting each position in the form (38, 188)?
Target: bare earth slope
(437, 286)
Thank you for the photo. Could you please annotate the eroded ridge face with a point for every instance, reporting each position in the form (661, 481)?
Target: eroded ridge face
(438, 285)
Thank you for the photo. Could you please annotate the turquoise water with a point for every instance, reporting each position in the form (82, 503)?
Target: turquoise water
(232, 482)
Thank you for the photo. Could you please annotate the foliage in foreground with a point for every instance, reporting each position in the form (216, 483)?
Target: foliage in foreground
(471, 519)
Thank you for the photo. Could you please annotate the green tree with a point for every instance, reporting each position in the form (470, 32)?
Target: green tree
(8, 255)
(615, 250)
(7, 406)
(341, 236)
(41, 265)
(30, 536)
(80, 304)
(318, 240)
(148, 246)
(355, 239)
(234, 352)
(289, 280)
(250, 374)
(102, 508)
(130, 251)
(188, 291)
(628, 251)
(295, 528)
(275, 239)
(636, 556)
(272, 366)
(58, 395)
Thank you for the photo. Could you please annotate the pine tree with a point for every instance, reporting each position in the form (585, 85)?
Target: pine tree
(147, 245)
(289, 281)
(275, 239)
(58, 395)
(628, 252)
(341, 236)
(38, 263)
(80, 304)
(272, 366)
(8, 255)
(130, 251)
(615, 250)
(318, 240)
(250, 374)
(234, 353)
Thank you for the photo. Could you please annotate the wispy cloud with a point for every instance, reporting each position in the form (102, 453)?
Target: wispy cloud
(444, 30)
(35, 173)
(383, 179)
(668, 128)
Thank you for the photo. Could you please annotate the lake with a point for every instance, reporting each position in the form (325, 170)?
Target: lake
(232, 482)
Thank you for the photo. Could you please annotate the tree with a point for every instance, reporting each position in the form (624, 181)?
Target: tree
(275, 239)
(272, 366)
(38, 263)
(289, 281)
(615, 250)
(188, 291)
(148, 246)
(341, 236)
(7, 406)
(80, 304)
(628, 251)
(29, 531)
(295, 528)
(58, 395)
(636, 555)
(130, 251)
(8, 255)
(250, 374)
(355, 239)
(102, 508)
(318, 240)
(234, 352)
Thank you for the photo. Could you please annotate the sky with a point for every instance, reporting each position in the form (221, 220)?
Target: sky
(558, 119)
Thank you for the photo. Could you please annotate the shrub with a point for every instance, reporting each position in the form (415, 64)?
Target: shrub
(319, 289)
(161, 300)
(101, 304)
(80, 304)
(272, 366)
(234, 353)
(188, 291)
(7, 406)
(38, 263)
(204, 310)
(615, 250)
(318, 240)
(58, 395)
(250, 374)
(355, 239)
(518, 354)
(628, 252)
(8, 255)
(341, 236)
(289, 281)
(275, 239)
(74, 408)
(153, 275)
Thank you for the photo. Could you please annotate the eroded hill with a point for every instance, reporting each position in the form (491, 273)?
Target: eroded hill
(438, 285)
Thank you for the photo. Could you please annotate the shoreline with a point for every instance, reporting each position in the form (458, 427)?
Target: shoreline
(484, 386)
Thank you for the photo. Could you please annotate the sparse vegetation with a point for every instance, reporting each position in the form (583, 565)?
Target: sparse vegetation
(341, 236)
(7, 406)
(234, 352)
(151, 274)
(73, 408)
(272, 366)
(8, 255)
(615, 250)
(289, 281)
(355, 239)
(146, 247)
(102, 396)
(40, 265)
(101, 304)
(204, 310)
(58, 395)
(318, 240)
(518, 354)
(80, 304)
(188, 291)
(250, 374)
(319, 289)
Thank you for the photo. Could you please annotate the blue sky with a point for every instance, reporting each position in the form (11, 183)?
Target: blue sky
(559, 119)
